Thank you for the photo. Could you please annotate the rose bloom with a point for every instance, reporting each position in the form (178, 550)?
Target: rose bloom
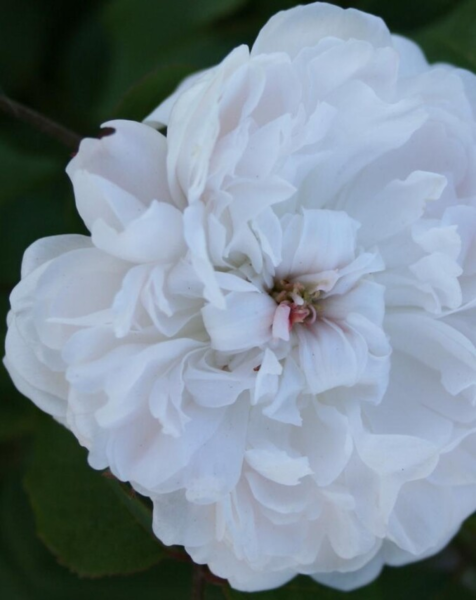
(270, 331)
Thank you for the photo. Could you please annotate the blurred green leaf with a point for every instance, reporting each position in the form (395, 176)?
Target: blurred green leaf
(83, 72)
(406, 15)
(140, 32)
(190, 55)
(216, 592)
(23, 36)
(17, 417)
(29, 572)
(452, 39)
(208, 47)
(22, 172)
(78, 515)
(142, 98)
(24, 218)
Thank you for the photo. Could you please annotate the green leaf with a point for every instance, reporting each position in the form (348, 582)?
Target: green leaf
(138, 508)
(452, 39)
(28, 571)
(78, 515)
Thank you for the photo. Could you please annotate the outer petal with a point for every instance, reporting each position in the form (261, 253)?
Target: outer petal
(422, 518)
(32, 378)
(27, 360)
(352, 580)
(117, 176)
(178, 521)
(412, 59)
(238, 572)
(46, 249)
(438, 346)
(292, 30)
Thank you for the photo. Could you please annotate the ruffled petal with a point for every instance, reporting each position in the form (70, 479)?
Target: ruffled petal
(316, 241)
(245, 322)
(330, 356)
(156, 236)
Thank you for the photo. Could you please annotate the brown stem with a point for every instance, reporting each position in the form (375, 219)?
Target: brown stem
(40, 122)
(177, 555)
(198, 583)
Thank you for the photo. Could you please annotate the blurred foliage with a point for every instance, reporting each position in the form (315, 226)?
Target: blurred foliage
(28, 571)
(78, 513)
(453, 39)
(81, 64)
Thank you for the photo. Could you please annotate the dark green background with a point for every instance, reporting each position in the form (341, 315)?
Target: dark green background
(67, 532)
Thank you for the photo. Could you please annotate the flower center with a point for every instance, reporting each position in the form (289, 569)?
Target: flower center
(296, 304)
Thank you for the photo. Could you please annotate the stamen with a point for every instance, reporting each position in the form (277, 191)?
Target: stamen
(301, 306)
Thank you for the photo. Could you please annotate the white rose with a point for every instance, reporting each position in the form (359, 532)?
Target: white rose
(271, 330)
